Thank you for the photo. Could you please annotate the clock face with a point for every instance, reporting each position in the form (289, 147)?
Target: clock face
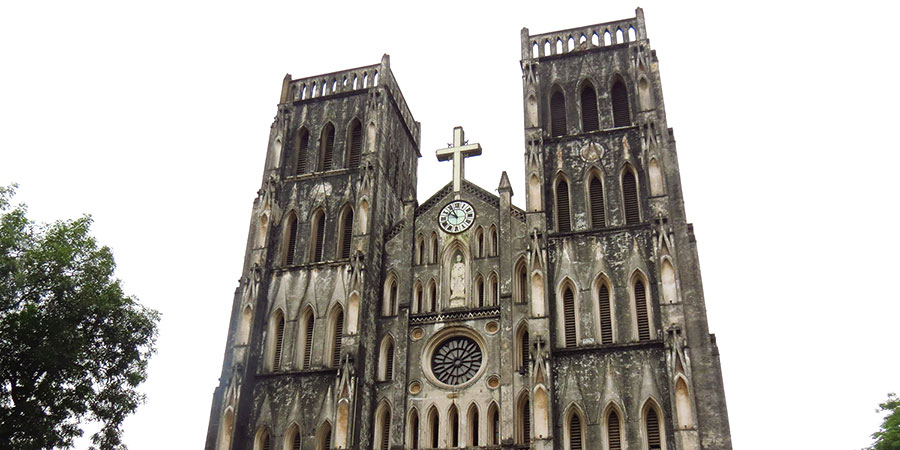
(457, 217)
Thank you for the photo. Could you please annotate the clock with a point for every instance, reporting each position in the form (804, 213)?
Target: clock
(457, 217)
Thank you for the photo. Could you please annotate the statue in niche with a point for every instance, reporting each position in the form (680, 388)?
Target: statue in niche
(458, 282)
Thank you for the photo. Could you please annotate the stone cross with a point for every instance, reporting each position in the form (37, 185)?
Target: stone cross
(459, 150)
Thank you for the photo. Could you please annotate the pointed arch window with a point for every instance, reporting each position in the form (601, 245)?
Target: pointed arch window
(472, 427)
(326, 148)
(346, 232)
(494, 294)
(453, 426)
(291, 238)
(317, 247)
(420, 250)
(418, 301)
(386, 359)
(354, 144)
(479, 239)
(479, 291)
(432, 297)
(652, 429)
(521, 291)
(434, 248)
(575, 436)
(613, 431)
(604, 308)
(630, 197)
(570, 331)
(589, 120)
(414, 429)
(323, 440)
(558, 114)
(307, 326)
(337, 335)
(389, 302)
(383, 427)
(493, 425)
(595, 196)
(523, 433)
(277, 340)
(294, 439)
(301, 152)
(434, 428)
(266, 443)
(495, 244)
(621, 110)
(641, 310)
(523, 355)
(563, 212)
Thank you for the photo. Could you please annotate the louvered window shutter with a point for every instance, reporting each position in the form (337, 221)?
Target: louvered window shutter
(653, 437)
(569, 317)
(640, 306)
(598, 210)
(386, 431)
(630, 198)
(606, 332)
(319, 247)
(279, 343)
(481, 302)
(434, 299)
(326, 444)
(557, 114)
(292, 240)
(563, 221)
(307, 350)
(589, 120)
(267, 443)
(338, 337)
(575, 433)
(327, 148)
(613, 432)
(526, 355)
(347, 234)
(526, 422)
(621, 110)
(302, 166)
(295, 444)
(389, 363)
(355, 146)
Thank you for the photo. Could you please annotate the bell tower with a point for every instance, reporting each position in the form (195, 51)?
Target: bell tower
(340, 171)
(625, 312)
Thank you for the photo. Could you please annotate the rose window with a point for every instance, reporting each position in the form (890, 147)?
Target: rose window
(456, 360)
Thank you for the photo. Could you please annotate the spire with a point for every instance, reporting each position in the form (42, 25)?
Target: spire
(504, 184)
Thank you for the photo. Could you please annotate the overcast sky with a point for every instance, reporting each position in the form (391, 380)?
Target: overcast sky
(154, 118)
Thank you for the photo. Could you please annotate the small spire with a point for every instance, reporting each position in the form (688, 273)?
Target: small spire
(504, 184)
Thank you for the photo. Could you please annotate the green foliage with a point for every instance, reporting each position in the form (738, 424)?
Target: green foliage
(888, 437)
(73, 346)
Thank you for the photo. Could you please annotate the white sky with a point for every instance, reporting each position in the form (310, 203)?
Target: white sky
(154, 118)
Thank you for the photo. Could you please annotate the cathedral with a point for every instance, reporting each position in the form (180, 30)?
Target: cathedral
(366, 320)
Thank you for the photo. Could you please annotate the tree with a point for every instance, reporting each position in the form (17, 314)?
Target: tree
(888, 437)
(73, 346)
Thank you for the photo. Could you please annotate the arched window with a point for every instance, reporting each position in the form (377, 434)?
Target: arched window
(243, 335)
(301, 152)
(453, 426)
(293, 437)
(420, 250)
(494, 294)
(337, 335)
(291, 239)
(575, 432)
(413, 439)
(479, 240)
(523, 355)
(521, 286)
(604, 313)
(383, 426)
(354, 144)
(434, 248)
(493, 433)
(613, 430)
(323, 437)
(667, 273)
(317, 246)
(589, 120)
(264, 440)
(419, 301)
(621, 110)
(558, 114)
(630, 197)
(277, 340)
(434, 428)
(226, 429)
(652, 429)
(683, 404)
(472, 426)
(432, 296)
(495, 244)
(595, 196)
(479, 291)
(656, 182)
(523, 413)
(563, 212)
(386, 359)
(569, 318)
(641, 310)
(346, 232)
(326, 148)
(389, 300)
(307, 326)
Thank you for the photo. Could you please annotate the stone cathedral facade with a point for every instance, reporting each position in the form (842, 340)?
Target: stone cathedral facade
(366, 320)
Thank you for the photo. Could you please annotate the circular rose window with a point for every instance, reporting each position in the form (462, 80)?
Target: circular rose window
(456, 360)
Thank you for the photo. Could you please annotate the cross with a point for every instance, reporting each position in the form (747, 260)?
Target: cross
(459, 150)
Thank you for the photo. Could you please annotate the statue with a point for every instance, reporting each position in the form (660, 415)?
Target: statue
(458, 282)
